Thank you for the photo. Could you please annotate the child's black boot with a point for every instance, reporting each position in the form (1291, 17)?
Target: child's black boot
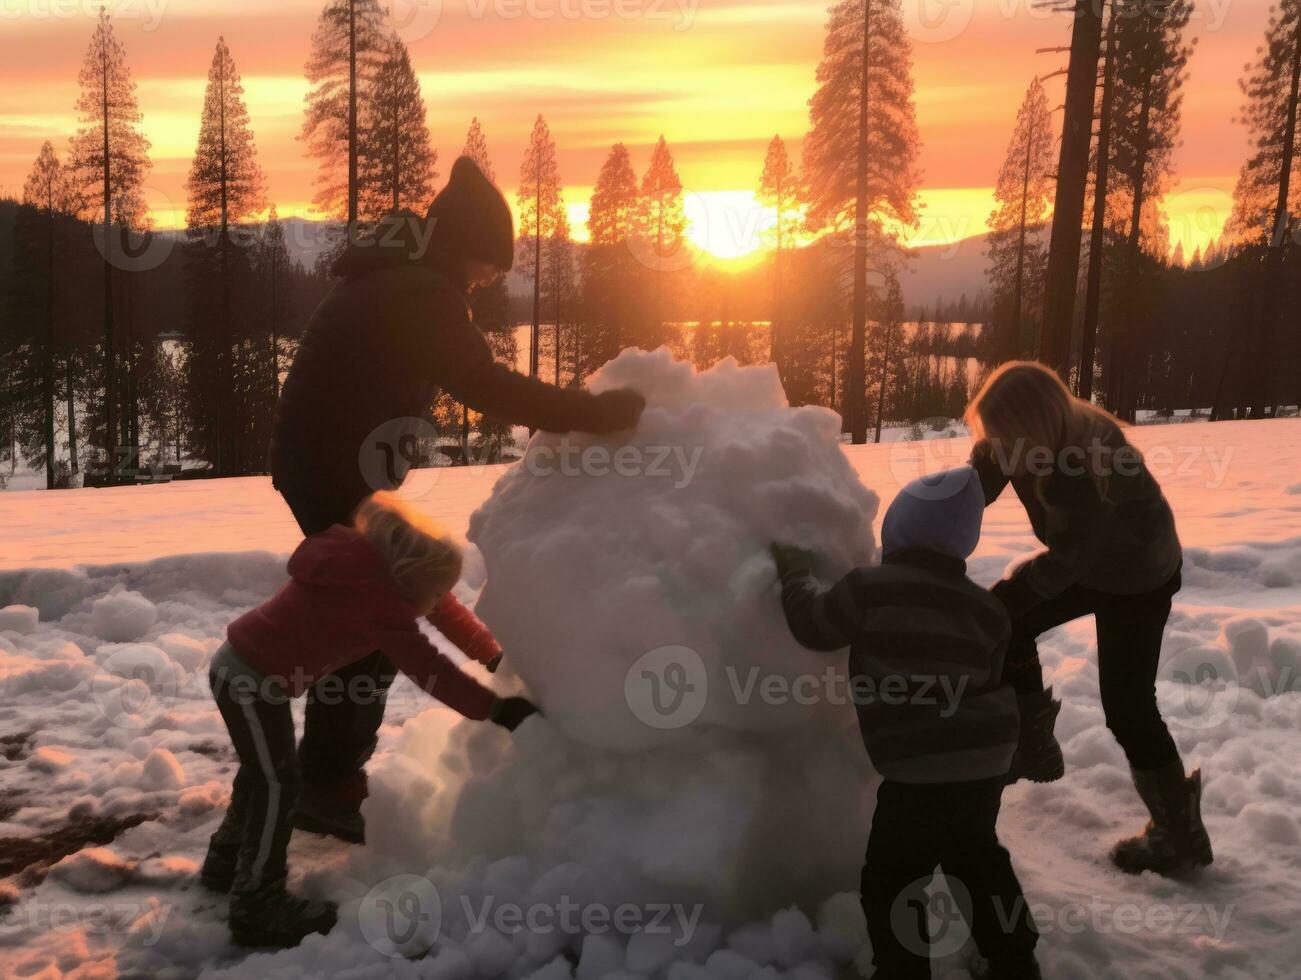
(272, 916)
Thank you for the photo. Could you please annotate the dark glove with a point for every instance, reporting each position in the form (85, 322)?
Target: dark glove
(614, 411)
(1016, 595)
(509, 713)
(792, 560)
(492, 665)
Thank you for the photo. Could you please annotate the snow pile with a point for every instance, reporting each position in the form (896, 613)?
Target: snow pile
(122, 616)
(604, 561)
(19, 619)
(596, 578)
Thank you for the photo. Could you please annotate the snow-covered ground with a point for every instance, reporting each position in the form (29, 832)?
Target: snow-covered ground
(114, 766)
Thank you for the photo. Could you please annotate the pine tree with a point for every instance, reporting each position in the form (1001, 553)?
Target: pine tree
(1267, 197)
(348, 47)
(47, 193)
(1023, 198)
(109, 159)
(779, 189)
(661, 223)
(225, 193)
(860, 155)
(539, 205)
(889, 327)
(1151, 68)
(560, 295)
(608, 267)
(272, 266)
(476, 148)
(396, 162)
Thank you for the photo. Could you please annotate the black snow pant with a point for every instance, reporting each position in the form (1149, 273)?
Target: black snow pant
(952, 825)
(344, 710)
(1130, 630)
(259, 820)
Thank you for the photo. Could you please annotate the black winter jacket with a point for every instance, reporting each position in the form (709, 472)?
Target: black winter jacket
(375, 354)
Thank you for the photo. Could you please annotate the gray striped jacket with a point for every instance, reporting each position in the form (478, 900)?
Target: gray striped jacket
(925, 663)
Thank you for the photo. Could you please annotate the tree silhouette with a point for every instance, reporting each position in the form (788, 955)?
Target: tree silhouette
(860, 155)
(779, 188)
(225, 192)
(1267, 195)
(661, 222)
(109, 159)
(608, 266)
(1023, 198)
(47, 194)
(395, 159)
(349, 45)
(539, 206)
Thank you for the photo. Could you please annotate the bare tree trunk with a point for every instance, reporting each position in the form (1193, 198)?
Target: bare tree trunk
(47, 366)
(1098, 233)
(1023, 342)
(1072, 180)
(537, 280)
(110, 349)
(885, 379)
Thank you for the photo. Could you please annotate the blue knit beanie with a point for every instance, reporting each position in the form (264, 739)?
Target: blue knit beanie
(941, 511)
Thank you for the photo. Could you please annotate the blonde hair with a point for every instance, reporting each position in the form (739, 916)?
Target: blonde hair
(1026, 402)
(422, 557)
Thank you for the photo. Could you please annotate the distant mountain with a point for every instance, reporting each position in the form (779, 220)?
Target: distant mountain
(945, 273)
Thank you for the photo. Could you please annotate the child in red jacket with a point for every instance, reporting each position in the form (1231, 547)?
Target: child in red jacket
(352, 590)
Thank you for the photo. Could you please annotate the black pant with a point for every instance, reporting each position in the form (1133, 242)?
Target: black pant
(258, 822)
(344, 710)
(915, 828)
(1130, 630)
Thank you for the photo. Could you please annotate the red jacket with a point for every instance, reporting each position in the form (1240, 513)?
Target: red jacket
(341, 605)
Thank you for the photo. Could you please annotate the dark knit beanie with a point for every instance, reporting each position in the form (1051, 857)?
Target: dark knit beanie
(471, 219)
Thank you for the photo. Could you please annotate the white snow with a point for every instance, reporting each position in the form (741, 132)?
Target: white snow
(102, 725)
(121, 616)
(19, 619)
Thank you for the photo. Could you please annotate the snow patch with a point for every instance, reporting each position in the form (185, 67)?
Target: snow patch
(19, 619)
(120, 617)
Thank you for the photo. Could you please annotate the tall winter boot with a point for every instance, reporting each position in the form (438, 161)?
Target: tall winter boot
(1175, 839)
(1038, 755)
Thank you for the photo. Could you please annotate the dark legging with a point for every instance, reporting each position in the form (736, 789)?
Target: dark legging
(344, 710)
(1130, 629)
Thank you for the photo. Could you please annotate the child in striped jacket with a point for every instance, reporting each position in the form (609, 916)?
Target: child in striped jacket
(926, 655)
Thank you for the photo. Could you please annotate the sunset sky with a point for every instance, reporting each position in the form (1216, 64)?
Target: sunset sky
(717, 77)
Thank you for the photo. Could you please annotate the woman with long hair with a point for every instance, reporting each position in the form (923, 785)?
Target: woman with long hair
(1112, 552)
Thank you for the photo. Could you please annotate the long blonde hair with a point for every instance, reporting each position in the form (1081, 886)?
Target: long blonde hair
(1027, 403)
(422, 557)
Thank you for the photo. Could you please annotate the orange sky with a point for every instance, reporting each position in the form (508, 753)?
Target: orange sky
(717, 77)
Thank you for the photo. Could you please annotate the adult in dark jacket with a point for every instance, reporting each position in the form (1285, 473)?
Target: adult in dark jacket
(392, 333)
(1113, 553)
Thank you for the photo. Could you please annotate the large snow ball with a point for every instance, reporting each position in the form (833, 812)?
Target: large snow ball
(629, 578)
(122, 616)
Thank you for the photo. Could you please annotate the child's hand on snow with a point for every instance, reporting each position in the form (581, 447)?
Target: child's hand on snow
(509, 713)
(792, 560)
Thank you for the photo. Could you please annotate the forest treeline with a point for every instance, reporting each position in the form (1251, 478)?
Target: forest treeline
(127, 350)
